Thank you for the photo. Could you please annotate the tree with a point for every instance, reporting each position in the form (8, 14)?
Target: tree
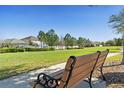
(67, 40)
(110, 43)
(80, 42)
(73, 41)
(42, 37)
(102, 43)
(52, 38)
(96, 43)
(88, 43)
(30, 42)
(117, 23)
(118, 41)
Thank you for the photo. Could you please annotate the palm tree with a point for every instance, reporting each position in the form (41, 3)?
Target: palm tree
(117, 23)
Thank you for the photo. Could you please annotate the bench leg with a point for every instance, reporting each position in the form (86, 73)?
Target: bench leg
(36, 83)
(101, 70)
(34, 86)
(90, 82)
(90, 79)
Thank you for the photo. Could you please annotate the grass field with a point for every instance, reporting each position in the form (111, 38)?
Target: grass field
(15, 63)
(115, 58)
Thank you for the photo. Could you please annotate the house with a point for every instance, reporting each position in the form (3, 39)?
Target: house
(30, 38)
(13, 43)
(34, 41)
(18, 43)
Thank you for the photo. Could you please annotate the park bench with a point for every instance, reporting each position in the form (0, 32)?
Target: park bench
(76, 69)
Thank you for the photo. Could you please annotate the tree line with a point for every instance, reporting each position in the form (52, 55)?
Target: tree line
(113, 42)
(52, 39)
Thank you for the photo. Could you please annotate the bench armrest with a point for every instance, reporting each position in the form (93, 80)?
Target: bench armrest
(47, 81)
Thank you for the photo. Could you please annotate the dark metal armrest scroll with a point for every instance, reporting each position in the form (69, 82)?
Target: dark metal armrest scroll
(46, 81)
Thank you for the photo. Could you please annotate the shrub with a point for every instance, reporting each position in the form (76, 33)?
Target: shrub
(7, 50)
(39, 49)
(13, 50)
(20, 49)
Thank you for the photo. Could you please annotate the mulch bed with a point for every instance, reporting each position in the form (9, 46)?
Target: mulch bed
(114, 73)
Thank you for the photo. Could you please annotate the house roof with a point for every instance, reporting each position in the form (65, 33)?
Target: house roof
(30, 38)
(18, 41)
(14, 41)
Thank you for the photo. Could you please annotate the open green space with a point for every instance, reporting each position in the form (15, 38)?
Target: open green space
(16, 63)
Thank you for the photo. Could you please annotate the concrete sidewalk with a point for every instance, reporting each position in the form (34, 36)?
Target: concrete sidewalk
(21, 81)
(113, 54)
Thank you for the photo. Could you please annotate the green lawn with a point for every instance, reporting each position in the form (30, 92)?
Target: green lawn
(15, 63)
(115, 58)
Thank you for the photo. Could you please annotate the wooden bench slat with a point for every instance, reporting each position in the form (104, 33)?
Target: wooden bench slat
(82, 69)
(75, 79)
(86, 58)
(84, 63)
(101, 60)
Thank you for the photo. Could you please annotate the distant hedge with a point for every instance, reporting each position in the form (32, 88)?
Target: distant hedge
(13, 50)
(39, 49)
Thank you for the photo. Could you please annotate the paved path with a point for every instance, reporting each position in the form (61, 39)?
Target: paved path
(113, 54)
(21, 81)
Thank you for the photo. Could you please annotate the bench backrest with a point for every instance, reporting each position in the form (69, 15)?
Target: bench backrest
(102, 58)
(78, 68)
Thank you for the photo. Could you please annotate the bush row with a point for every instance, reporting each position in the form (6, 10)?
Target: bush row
(39, 49)
(13, 50)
